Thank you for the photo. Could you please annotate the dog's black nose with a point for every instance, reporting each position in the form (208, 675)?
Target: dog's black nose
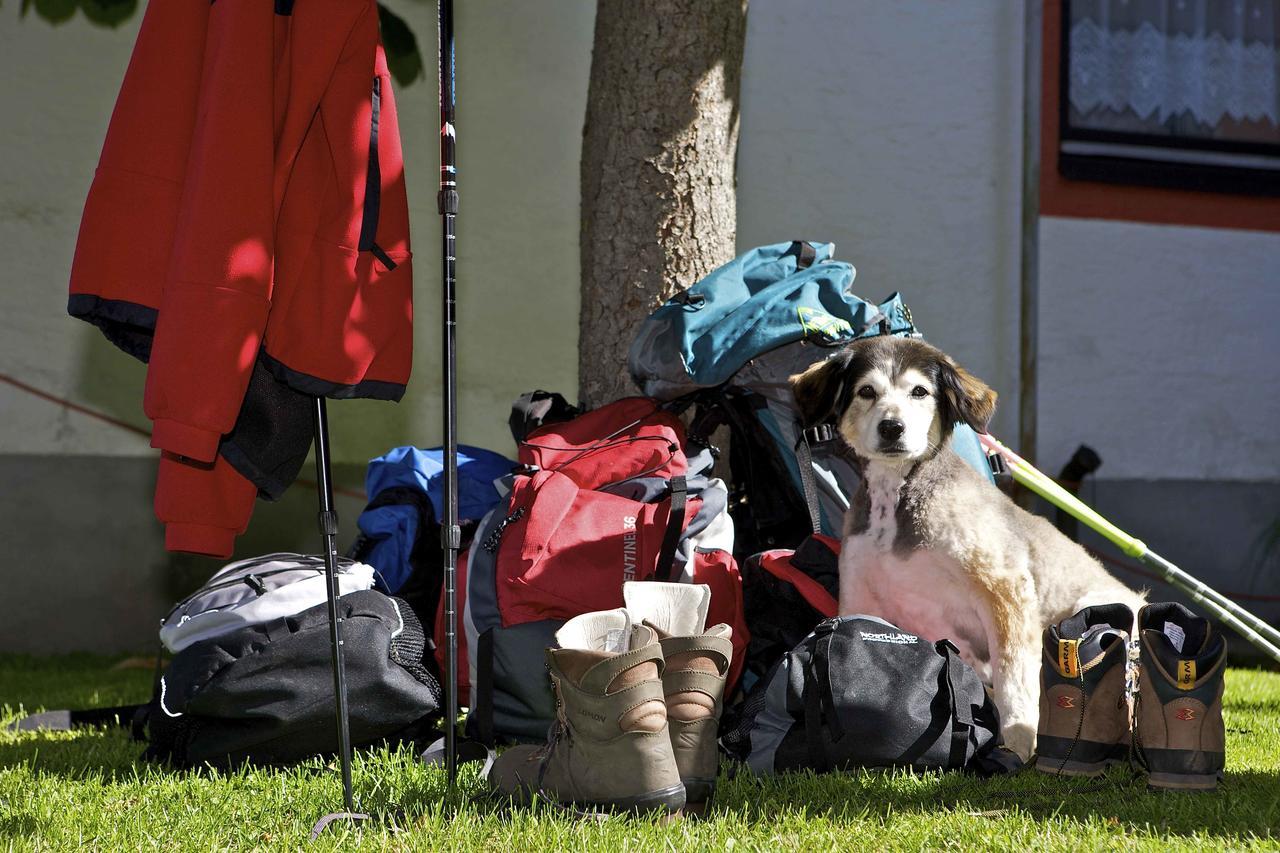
(891, 430)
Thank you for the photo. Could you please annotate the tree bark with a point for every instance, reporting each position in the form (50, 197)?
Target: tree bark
(659, 154)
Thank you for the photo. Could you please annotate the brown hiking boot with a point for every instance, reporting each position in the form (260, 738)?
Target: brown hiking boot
(609, 748)
(1084, 713)
(1179, 736)
(697, 662)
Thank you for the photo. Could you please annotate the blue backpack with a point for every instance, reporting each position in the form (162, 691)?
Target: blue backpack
(400, 527)
(728, 345)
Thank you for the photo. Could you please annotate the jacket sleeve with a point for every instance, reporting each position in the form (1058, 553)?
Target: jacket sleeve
(218, 285)
(203, 507)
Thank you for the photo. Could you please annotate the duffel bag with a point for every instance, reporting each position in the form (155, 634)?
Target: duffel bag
(860, 692)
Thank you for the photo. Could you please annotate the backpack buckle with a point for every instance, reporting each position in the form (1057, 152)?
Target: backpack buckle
(820, 434)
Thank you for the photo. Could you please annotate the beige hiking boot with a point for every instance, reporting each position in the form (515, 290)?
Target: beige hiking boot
(609, 748)
(1084, 712)
(1179, 734)
(697, 661)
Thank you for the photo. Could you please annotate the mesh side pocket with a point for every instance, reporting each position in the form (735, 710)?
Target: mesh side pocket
(735, 735)
(409, 647)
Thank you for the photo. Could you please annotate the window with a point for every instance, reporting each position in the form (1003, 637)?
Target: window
(1171, 93)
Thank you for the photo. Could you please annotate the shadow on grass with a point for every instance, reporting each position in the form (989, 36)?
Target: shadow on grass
(108, 754)
(111, 756)
(1247, 802)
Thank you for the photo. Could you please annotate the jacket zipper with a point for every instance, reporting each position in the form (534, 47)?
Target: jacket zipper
(373, 187)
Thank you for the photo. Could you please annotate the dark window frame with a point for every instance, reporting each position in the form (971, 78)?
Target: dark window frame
(1075, 162)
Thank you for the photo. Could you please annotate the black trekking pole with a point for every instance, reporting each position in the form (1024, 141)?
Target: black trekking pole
(328, 518)
(450, 532)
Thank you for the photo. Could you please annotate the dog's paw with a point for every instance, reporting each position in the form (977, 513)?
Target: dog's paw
(1020, 738)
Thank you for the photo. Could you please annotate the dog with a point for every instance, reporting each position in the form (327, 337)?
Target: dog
(929, 543)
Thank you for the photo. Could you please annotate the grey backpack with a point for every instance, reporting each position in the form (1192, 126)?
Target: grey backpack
(859, 692)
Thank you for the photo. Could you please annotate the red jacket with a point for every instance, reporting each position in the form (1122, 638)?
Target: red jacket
(250, 204)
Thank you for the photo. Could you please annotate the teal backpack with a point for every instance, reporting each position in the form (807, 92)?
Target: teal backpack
(728, 344)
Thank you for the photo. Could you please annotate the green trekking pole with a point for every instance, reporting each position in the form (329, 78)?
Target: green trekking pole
(1253, 629)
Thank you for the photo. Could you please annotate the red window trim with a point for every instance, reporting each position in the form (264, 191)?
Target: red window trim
(1094, 200)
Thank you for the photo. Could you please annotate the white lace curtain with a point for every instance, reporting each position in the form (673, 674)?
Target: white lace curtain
(1204, 68)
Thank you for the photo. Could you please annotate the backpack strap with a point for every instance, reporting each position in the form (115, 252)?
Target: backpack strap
(675, 528)
(482, 690)
(819, 703)
(819, 760)
(962, 722)
(64, 720)
(819, 434)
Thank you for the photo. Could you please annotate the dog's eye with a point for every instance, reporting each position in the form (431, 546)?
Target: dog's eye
(919, 391)
(866, 392)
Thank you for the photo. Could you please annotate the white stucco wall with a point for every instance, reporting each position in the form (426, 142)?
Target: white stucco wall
(889, 128)
(1159, 348)
(893, 129)
(523, 71)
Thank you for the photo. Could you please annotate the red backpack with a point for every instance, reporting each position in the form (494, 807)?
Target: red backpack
(607, 497)
(786, 594)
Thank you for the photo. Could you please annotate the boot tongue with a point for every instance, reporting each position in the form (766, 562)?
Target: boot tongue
(676, 609)
(1097, 640)
(602, 631)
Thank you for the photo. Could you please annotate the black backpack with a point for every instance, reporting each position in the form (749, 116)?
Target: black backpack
(859, 692)
(263, 693)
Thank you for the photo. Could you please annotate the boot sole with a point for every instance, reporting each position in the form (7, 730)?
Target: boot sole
(1056, 767)
(698, 794)
(668, 799)
(1182, 782)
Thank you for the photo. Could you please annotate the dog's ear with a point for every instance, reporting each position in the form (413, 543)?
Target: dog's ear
(819, 389)
(965, 398)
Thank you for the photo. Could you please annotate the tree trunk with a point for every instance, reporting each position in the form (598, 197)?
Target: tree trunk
(659, 153)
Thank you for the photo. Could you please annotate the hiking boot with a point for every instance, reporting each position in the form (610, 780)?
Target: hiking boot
(697, 661)
(609, 748)
(1179, 735)
(1084, 713)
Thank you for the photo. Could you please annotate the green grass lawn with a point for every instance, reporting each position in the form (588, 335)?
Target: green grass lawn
(86, 788)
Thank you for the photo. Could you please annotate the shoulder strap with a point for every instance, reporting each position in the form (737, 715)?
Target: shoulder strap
(675, 527)
(482, 690)
(961, 713)
(65, 719)
(804, 459)
(819, 760)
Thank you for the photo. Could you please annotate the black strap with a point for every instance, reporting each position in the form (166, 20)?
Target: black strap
(804, 456)
(706, 420)
(805, 255)
(675, 527)
(65, 720)
(822, 670)
(819, 759)
(482, 690)
(962, 713)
